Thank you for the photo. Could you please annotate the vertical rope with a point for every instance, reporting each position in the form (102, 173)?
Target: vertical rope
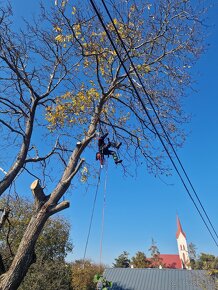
(103, 212)
(92, 214)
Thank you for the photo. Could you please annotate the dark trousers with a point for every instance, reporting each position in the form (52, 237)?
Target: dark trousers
(108, 152)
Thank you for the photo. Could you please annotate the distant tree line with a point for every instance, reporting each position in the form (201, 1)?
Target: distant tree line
(139, 260)
(202, 261)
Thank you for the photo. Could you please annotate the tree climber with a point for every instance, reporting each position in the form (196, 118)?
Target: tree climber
(104, 149)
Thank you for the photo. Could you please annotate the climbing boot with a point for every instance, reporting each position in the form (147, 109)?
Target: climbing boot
(118, 161)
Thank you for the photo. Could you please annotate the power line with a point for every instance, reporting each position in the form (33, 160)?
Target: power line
(149, 117)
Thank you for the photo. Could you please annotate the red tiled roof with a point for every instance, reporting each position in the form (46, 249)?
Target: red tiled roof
(179, 229)
(171, 261)
(166, 261)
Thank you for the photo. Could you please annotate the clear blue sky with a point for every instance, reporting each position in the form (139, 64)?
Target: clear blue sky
(144, 207)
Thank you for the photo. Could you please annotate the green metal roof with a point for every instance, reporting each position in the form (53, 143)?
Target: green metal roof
(158, 279)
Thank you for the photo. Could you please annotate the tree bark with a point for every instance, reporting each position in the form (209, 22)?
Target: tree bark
(25, 254)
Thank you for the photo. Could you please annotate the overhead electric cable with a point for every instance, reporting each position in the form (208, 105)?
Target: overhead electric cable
(148, 115)
(158, 118)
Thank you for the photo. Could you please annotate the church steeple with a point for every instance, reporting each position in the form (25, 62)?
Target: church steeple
(182, 246)
(179, 228)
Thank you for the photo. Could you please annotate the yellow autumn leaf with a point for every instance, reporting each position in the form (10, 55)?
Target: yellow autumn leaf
(63, 4)
(57, 29)
(59, 38)
(74, 10)
(115, 21)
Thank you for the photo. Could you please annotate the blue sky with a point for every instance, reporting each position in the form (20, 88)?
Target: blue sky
(144, 207)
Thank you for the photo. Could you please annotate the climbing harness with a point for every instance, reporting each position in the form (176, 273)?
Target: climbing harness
(100, 157)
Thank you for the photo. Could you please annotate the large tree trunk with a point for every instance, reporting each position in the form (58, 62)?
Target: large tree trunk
(25, 255)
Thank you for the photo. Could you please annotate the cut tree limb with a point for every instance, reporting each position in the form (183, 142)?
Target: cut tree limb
(38, 193)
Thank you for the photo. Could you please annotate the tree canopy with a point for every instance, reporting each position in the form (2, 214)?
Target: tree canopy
(163, 44)
(205, 262)
(155, 255)
(140, 260)
(122, 261)
(83, 273)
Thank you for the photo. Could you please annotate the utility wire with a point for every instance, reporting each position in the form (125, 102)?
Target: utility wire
(158, 118)
(144, 107)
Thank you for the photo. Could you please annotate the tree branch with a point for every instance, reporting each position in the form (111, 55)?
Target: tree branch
(75, 171)
(59, 207)
(11, 128)
(38, 159)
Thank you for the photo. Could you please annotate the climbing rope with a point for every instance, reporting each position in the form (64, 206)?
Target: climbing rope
(103, 212)
(92, 214)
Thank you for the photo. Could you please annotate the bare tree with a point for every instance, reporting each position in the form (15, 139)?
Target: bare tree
(62, 81)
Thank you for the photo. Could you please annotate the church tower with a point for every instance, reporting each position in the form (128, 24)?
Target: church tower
(182, 246)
